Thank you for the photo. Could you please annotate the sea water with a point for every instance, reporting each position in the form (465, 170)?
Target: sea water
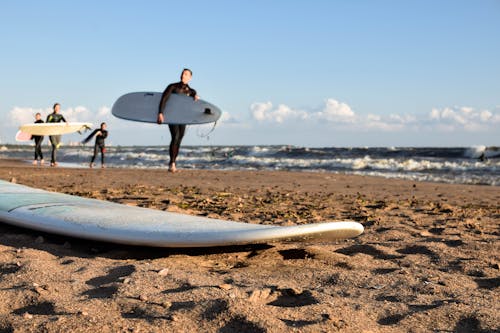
(459, 165)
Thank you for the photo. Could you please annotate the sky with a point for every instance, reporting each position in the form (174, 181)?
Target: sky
(305, 73)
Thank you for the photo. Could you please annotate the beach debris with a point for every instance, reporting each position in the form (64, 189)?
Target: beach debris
(163, 272)
(143, 298)
(13, 180)
(259, 295)
(225, 286)
(27, 315)
(38, 288)
(426, 233)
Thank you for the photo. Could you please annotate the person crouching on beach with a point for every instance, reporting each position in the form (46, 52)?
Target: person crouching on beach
(38, 141)
(55, 140)
(100, 135)
(176, 131)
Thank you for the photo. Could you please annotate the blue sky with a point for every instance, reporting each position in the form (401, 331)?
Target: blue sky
(305, 73)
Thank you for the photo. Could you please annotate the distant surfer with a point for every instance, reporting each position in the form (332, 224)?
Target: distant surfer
(100, 134)
(176, 131)
(38, 141)
(55, 140)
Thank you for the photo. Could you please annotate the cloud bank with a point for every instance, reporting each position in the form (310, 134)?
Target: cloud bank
(22, 115)
(267, 123)
(337, 114)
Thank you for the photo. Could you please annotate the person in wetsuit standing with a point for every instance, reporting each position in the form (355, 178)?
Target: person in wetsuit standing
(38, 141)
(100, 135)
(55, 140)
(176, 131)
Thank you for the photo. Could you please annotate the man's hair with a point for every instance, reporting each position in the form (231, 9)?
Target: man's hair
(186, 69)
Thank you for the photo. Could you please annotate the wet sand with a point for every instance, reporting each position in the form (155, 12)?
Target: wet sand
(428, 260)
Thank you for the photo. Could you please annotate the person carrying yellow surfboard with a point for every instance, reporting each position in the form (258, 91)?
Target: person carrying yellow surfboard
(55, 140)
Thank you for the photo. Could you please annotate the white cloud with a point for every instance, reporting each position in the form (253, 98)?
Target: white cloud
(22, 115)
(18, 116)
(265, 112)
(466, 118)
(104, 112)
(340, 115)
(333, 113)
(227, 118)
(403, 119)
(485, 115)
(336, 111)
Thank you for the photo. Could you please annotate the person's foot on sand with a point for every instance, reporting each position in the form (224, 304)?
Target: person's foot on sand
(103, 166)
(91, 165)
(53, 164)
(35, 162)
(172, 168)
(42, 162)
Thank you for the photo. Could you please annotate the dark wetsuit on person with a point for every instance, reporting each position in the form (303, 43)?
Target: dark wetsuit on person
(99, 145)
(176, 131)
(55, 140)
(38, 143)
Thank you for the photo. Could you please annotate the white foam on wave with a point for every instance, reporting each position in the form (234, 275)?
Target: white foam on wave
(475, 151)
(465, 169)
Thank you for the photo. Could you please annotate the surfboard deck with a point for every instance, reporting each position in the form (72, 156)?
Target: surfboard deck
(22, 136)
(111, 222)
(179, 109)
(54, 128)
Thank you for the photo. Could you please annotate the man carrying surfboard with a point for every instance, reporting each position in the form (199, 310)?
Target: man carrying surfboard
(100, 135)
(176, 131)
(55, 140)
(38, 141)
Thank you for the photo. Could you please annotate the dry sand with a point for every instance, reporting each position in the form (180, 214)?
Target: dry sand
(427, 262)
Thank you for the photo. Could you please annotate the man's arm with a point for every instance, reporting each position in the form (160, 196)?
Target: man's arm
(164, 98)
(88, 138)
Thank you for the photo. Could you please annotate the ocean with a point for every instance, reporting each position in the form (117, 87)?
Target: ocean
(460, 165)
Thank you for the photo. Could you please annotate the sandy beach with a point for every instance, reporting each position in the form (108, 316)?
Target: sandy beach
(428, 260)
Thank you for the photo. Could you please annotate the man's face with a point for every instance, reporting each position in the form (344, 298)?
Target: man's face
(186, 77)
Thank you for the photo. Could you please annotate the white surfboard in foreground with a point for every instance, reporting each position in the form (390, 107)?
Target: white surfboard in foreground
(111, 222)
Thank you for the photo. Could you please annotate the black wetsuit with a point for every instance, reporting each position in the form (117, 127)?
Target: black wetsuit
(99, 144)
(176, 131)
(38, 142)
(55, 140)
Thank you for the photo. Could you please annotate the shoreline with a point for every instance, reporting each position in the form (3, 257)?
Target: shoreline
(428, 259)
(444, 165)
